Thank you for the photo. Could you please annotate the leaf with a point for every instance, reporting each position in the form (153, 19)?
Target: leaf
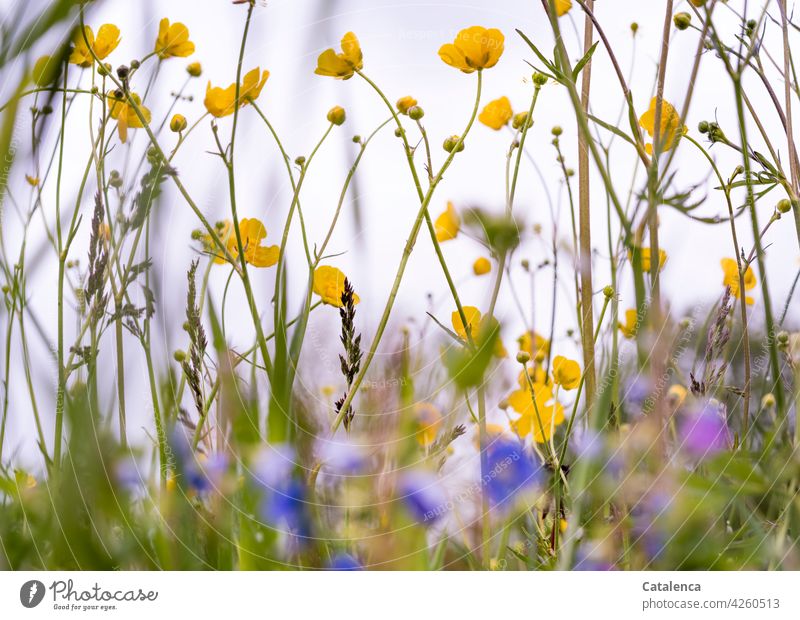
(547, 63)
(583, 61)
(615, 130)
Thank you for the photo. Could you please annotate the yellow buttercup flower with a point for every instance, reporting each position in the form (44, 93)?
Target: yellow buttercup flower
(534, 344)
(474, 48)
(125, 115)
(481, 266)
(631, 325)
(447, 224)
(173, 40)
(539, 412)
(671, 128)
(404, 104)
(563, 7)
(329, 284)
(731, 278)
(644, 255)
(429, 420)
(566, 372)
(106, 41)
(496, 113)
(475, 323)
(676, 395)
(253, 232)
(341, 65)
(220, 101)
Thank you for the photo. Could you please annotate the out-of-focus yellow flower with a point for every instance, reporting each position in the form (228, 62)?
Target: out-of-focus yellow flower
(329, 285)
(404, 104)
(475, 323)
(566, 372)
(253, 231)
(474, 48)
(671, 128)
(644, 255)
(536, 374)
(631, 324)
(344, 64)
(328, 390)
(563, 7)
(473, 317)
(429, 420)
(447, 224)
(32, 181)
(220, 101)
(125, 115)
(534, 344)
(106, 41)
(676, 395)
(528, 405)
(481, 266)
(496, 113)
(731, 278)
(173, 40)
(44, 71)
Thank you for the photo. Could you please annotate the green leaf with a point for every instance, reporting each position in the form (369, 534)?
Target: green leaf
(583, 61)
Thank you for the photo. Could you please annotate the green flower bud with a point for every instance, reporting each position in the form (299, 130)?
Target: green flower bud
(178, 123)
(784, 206)
(451, 143)
(179, 356)
(608, 291)
(702, 127)
(539, 79)
(336, 115)
(556, 131)
(416, 113)
(523, 357)
(682, 20)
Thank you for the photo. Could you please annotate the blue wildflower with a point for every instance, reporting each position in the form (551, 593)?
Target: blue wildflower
(704, 431)
(423, 496)
(510, 471)
(344, 561)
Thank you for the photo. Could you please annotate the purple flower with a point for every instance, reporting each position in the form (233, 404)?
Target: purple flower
(703, 431)
(423, 496)
(509, 471)
(344, 561)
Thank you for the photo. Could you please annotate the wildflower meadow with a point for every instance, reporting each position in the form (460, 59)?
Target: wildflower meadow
(365, 286)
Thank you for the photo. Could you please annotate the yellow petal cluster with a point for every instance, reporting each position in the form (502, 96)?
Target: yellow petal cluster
(474, 48)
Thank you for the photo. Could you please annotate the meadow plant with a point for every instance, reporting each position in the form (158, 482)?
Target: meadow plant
(639, 436)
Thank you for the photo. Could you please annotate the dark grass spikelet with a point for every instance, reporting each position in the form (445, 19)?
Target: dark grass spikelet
(718, 336)
(94, 295)
(351, 360)
(193, 363)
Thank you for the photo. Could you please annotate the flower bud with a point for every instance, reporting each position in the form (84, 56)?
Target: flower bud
(520, 120)
(768, 402)
(702, 127)
(608, 291)
(103, 69)
(195, 69)
(404, 104)
(451, 143)
(523, 357)
(556, 131)
(539, 79)
(682, 20)
(783, 337)
(135, 64)
(300, 160)
(179, 355)
(122, 72)
(784, 206)
(357, 139)
(416, 113)
(634, 28)
(178, 123)
(697, 2)
(336, 115)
